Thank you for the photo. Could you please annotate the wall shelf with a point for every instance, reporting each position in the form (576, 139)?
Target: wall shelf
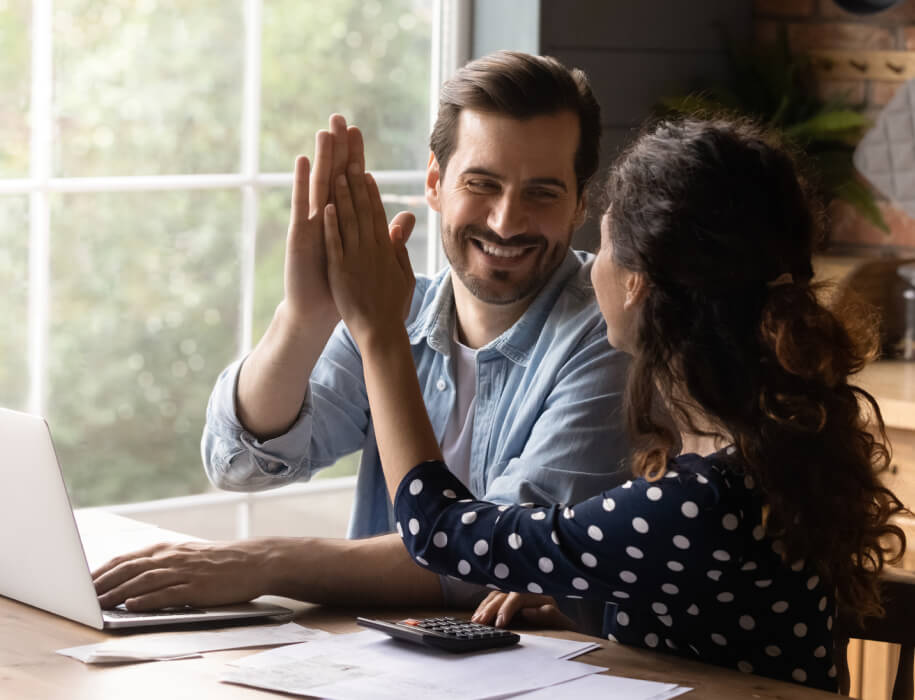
(836, 64)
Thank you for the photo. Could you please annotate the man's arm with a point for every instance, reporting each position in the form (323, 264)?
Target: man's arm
(376, 571)
(274, 378)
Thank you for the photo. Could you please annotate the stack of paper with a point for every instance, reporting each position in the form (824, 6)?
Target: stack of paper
(603, 687)
(371, 666)
(165, 646)
(558, 648)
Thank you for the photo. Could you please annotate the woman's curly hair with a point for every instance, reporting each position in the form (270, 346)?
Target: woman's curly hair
(717, 217)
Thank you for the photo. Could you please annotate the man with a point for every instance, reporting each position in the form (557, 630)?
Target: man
(510, 350)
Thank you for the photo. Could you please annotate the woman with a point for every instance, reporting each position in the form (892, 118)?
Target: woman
(747, 523)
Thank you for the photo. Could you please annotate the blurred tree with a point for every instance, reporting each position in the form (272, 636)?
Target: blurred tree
(145, 286)
(15, 81)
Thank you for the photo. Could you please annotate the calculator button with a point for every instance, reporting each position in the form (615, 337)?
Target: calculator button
(411, 622)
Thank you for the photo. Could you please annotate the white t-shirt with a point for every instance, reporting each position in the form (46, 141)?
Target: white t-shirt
(456, 441)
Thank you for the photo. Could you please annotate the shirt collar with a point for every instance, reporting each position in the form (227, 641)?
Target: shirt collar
(435, 322)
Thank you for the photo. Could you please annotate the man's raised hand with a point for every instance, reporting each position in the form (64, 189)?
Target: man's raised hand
(307, 296)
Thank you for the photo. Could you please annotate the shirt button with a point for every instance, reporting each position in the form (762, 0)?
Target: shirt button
(440, 385)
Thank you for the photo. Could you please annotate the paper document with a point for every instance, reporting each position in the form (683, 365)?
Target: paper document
(558, 648)
(370, 665)
(163, 646)
(600, 687)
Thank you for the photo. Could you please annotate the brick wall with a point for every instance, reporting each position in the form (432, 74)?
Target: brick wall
(821, 24)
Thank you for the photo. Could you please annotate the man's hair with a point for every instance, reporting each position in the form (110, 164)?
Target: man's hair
(520, 86)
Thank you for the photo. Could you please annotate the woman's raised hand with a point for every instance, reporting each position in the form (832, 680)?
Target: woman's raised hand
(368, 269)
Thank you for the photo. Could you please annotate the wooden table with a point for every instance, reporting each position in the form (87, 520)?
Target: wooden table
(30, 670)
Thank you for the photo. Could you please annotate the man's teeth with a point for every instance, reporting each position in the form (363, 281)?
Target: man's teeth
(501, 252)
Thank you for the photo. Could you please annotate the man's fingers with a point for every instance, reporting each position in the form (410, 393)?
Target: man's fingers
(129, 556)
(298, 210)
(341, 145)
(406, 221)
(356, 146)
(319, 186)
(169, 597)
(144, 583)
(124, 571)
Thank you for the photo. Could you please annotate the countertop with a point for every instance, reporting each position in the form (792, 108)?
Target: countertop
(892, 384)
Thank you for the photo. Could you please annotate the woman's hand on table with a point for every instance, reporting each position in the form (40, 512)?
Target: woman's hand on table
(537, 610)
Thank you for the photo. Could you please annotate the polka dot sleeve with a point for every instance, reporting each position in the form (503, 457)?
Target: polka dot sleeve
(633, 538)
(685, 559)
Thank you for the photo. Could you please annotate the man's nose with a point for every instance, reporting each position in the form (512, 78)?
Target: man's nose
(509, 216)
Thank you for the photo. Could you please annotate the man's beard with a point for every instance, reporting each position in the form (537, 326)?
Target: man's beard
(498, 286)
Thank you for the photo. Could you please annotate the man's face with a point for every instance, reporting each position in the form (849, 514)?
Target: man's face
(508, 202)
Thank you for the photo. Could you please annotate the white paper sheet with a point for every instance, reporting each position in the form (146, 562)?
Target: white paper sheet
(372, 666)
(601, 687)
(558, 648)
(163, 646)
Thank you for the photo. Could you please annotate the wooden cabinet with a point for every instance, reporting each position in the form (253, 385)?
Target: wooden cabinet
(872, 665)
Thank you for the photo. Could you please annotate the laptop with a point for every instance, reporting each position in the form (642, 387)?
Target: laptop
(42, 557)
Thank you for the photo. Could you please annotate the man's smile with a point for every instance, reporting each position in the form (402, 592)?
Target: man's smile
(499, 255)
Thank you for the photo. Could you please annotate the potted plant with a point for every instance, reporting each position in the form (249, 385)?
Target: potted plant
(773, 86)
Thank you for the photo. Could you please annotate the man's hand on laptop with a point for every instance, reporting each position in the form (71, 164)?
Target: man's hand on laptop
(199, 574)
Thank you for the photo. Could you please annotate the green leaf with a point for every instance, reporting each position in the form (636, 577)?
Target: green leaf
(828, 124)
(861, 197)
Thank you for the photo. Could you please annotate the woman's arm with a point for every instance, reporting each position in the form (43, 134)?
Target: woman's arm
(372, 282)
(664, 541)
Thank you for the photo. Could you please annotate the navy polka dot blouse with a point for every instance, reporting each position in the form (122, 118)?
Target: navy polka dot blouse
(685, 561)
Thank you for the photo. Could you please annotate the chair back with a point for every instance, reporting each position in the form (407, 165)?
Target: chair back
(897, 626)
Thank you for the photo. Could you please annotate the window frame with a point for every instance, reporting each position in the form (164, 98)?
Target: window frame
(451, 29)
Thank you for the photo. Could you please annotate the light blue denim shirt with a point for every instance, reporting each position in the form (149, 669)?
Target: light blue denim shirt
(548, 414)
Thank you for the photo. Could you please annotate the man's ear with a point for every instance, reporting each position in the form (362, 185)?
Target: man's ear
(636, 289)
(433, 183)
(581, 212)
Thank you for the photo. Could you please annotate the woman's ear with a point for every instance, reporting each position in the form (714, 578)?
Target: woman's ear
(636, 289)
(433, 183)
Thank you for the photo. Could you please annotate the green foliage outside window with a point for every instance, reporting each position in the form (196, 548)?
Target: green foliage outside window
(144, 296)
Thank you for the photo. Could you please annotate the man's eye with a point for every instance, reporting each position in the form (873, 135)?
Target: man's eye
(481, 186)
(543, 194)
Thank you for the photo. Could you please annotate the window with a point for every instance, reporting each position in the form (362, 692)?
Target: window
(145, 176)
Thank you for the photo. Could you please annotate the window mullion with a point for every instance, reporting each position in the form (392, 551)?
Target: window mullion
(250, 163)
(451, 34)
(39, 206)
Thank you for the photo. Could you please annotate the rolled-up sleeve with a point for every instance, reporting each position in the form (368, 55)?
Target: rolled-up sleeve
(332, 422)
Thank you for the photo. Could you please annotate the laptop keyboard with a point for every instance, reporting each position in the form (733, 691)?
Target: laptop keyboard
(120, 613)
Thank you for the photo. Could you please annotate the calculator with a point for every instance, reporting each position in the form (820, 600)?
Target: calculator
(446, 633)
